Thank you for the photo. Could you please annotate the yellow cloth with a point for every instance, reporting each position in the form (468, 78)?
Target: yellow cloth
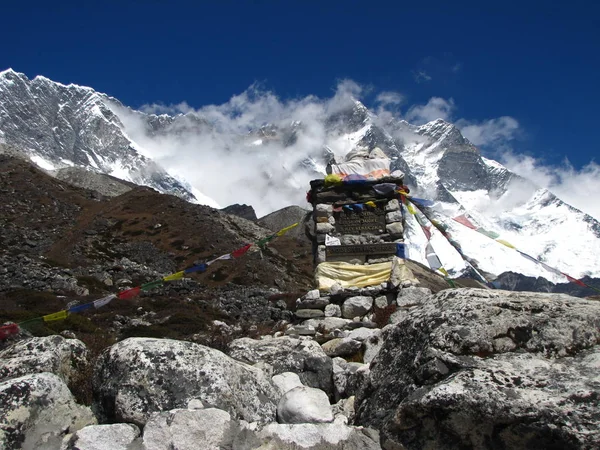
(508, 244)
(333, 179)
(56, 316)
(357, 275)
(286, 229)
(175, 276)
(411, 208)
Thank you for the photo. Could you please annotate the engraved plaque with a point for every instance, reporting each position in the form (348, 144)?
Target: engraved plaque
(367, 221)
(361, 249)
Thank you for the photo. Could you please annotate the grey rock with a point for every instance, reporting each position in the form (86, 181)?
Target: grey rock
(304, 404)
(447, 377)
(392, 205)
(333, 310)
(321, 254)
(344, 377)
(381, 302)
(287, 354)
(356, 306)
(324, 227)
(392, 217)
(312, 295)
(300, 330)
(36, 410)
(372, 346)
(184, 429)
(411, 296)
(363, 333)
(139, 376)
(395, 229)
(118, 436)
(341, 347)
(286, 381)
(328, 324)
(319, 303)
(324, 208)
(55, 354)
(309, 313)
(307, 436)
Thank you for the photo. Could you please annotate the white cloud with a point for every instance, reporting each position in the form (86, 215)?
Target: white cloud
(579, 188)
(421, 76)
(390, 98)
(436, 108)
(489, 132)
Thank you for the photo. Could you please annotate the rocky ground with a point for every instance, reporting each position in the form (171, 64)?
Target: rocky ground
(247, 356)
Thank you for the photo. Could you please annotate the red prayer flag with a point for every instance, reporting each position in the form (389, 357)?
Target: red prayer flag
(575, 280)
(466, 222)
(8, 330)
(240, 251)
(129, 293)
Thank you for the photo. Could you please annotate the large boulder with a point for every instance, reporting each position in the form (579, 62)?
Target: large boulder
(55, 354)
(139, 376)
(472, 368)
(288, 354)
(184, 429)
(356, 306)
(304, 404)
(307, 436)
(117, 436)
(37, 410)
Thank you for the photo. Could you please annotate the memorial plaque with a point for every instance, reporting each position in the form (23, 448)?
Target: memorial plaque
(367, 221)
(361, 249)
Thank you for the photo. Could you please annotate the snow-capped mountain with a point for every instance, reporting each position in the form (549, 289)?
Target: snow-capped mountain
(59, 126)
(270, 165)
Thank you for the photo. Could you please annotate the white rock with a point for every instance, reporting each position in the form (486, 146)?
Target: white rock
(118, 436)
(394, 216)
(307, 436)
(333, 310)
(55, 354)
(362, 334)
(139, 376)
(195, 403)
(410, 296)
(327, 324)
(287, 381)
(356, 306)
(304, 405)
(183, 429)
(36, 410)
(312, 295)
(392, 205)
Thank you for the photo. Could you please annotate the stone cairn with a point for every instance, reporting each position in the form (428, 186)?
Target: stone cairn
(349, 230)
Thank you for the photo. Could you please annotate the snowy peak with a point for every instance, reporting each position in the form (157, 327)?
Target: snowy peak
(61, 126)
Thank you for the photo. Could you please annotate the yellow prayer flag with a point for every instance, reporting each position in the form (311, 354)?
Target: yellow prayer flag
(411, 208)
(175, 276)
(286, 229)
(508, 244)
(56, 316)
(441, 269)
(371, 203)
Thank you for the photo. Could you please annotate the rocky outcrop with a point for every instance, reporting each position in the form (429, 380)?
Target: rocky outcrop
(55, 354)
(304, 404)
(118, 436)
(288, 354)
(183, 429)
(307, 436)
(473, 368)
(37, 410)
(139, 376)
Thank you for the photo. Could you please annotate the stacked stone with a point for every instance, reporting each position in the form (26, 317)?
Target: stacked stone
(327, 198)
(346, 322)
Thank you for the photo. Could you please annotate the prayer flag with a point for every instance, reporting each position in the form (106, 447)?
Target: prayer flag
(8, 330)
(385, 188)
(490, 234)
(401, 250)
(151, 285)
(197, 268)
(129, 293)
(531, 258)
(79, 308)
(103, 301)
(411, 208)
(358, 206)
(575, 280)
(423, 202)
(508, 244)
(222, 257)
(286, 229)
(462, 219)
(55, 316)
(241, 251)
(175, 276)
(370, 204)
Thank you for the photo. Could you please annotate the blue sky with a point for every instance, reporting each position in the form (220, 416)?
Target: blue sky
(536, 63)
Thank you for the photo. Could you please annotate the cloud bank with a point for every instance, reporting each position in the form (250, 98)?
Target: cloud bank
(579, 188)
(262, 150)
